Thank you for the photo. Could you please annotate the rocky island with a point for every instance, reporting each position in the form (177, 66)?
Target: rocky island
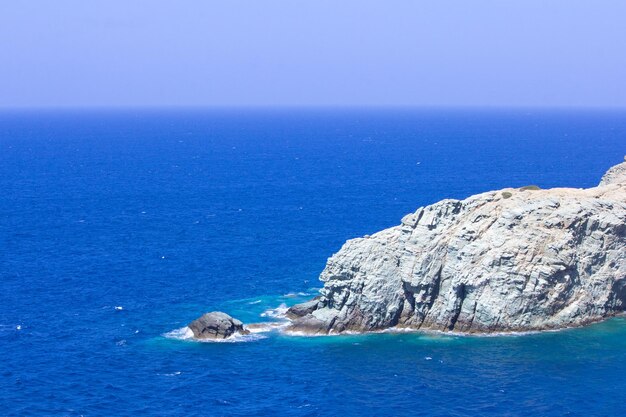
(503, 261)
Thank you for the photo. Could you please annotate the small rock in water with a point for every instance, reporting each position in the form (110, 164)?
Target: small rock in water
(216, 325)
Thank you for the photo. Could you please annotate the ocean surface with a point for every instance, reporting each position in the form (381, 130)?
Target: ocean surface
(119, 227)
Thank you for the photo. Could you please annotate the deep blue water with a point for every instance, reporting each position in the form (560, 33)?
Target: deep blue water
(169, 214)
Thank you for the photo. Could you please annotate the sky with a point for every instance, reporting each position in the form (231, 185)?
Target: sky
(120, 53)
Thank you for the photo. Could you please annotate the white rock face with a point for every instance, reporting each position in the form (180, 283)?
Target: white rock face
(507, 260)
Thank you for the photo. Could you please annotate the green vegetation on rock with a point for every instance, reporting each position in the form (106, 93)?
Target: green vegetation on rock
(530, 187)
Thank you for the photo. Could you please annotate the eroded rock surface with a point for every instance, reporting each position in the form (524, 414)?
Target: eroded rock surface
(216, 325)
(507, 260)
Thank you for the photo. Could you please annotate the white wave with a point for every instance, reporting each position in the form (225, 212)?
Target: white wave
(395, 330)
(307, 293)
(299, 333)
(439, 334)
(277, 313)
(186, 334)
(350, 332)
(455, 334)
(266, 327)
(237, 338)
(255, 302)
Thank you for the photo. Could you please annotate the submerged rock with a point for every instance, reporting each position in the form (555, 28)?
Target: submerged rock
(507, 260)
(216, 325)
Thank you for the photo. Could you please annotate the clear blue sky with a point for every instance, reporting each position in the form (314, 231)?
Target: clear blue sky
(313, 53)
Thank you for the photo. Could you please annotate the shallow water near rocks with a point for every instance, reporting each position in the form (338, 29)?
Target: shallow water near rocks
(117, 228)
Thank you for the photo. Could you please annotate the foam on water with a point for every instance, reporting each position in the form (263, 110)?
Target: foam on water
(290, 295)
(266, 327)
(185, 334)
(171, 373)
(277, 313)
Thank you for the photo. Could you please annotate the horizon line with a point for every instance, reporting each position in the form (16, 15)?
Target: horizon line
(309, 107)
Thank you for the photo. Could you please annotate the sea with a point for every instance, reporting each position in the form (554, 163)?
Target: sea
(120, 226)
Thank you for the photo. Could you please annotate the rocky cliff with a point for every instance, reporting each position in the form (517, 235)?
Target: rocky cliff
(508, 260)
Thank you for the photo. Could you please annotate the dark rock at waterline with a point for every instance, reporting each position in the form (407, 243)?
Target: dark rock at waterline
(310, 325)
(216, 325)
(302, 309)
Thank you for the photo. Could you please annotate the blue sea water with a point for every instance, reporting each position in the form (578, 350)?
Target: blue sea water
(118, 227)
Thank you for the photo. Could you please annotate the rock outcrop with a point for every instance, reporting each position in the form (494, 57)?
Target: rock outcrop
(508, 260)
(216, 325)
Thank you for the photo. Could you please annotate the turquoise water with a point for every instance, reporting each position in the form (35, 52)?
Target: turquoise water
(169, 214)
